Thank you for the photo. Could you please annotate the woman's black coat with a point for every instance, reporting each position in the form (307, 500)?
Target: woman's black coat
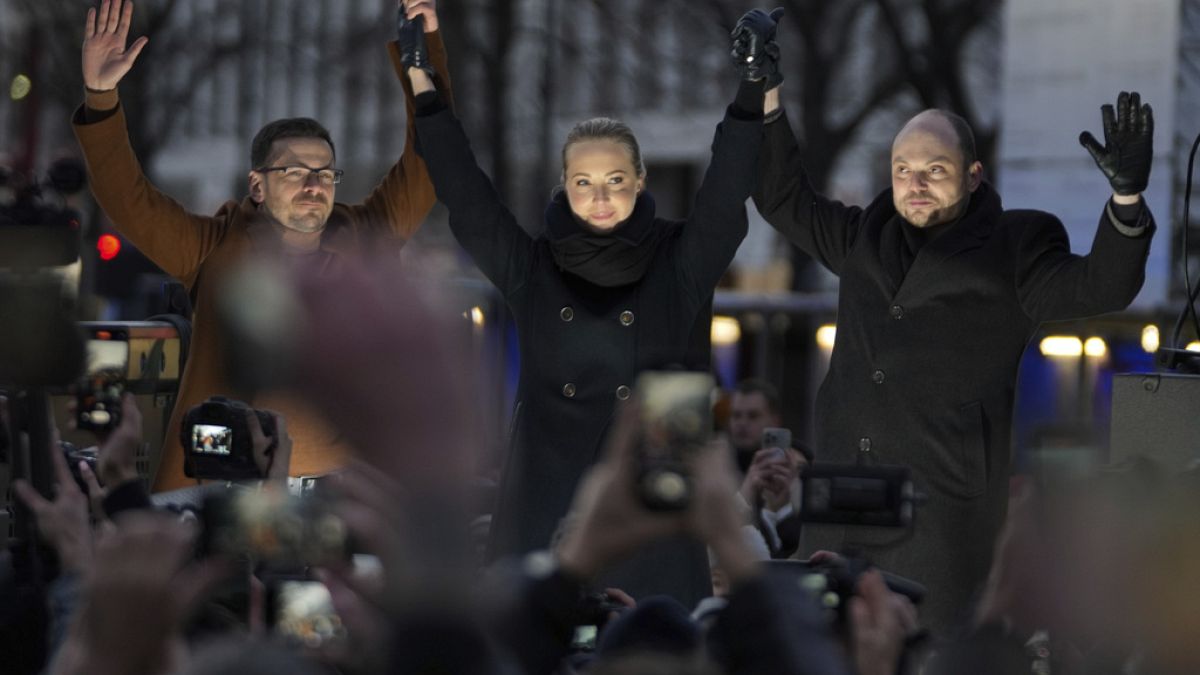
(582, 345)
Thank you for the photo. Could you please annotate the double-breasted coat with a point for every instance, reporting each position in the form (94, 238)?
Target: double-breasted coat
(924, 365)
(582, 345)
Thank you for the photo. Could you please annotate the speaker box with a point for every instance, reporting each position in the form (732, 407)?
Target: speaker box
(1156, 415)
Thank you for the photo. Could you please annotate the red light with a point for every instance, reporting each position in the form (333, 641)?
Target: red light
(109, 246)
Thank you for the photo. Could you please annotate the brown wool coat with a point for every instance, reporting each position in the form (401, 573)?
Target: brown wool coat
(200, 250)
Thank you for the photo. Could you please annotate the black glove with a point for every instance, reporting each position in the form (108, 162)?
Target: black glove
(410, 37)
(754, 50)
(1128, 144)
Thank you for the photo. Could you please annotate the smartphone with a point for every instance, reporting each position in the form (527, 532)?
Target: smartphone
(273, 527)
(300, 610)
(676, 421)
(98, 392)
(775, 437)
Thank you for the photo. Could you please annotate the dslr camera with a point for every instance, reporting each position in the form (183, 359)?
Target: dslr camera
(217, 443)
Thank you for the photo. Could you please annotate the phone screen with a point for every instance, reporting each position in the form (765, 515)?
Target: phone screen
(109, 358)
(304, 614)
(211, 439)
(98, 401)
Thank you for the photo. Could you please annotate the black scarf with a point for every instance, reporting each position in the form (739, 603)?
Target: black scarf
(615, 258)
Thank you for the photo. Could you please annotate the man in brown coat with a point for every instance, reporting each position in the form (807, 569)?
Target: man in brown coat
(290, 212)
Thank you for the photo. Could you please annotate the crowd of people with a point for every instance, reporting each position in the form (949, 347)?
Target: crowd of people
(356, 550)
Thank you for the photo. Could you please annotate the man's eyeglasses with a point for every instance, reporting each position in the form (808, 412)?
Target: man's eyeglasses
(300, 174)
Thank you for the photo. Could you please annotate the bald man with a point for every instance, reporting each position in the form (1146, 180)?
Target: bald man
(940, 290)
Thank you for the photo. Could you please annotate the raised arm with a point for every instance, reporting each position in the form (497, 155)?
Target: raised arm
(402, 200)
(718, 221)
(717, 224)
(823, 228)
(1052, 282)
(480, 221)
(159, 226)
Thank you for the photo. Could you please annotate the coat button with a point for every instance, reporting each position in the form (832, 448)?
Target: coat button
(622, 393)
(626, 318)
(877, 377)
(864, 444)
(566, 313)
(569, 390)
(897, 312)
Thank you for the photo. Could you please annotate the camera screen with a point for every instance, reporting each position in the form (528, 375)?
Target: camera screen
(107, 357)
(304, 613)
(211, 439)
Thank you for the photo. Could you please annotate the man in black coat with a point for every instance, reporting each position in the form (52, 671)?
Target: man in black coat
(941, 289)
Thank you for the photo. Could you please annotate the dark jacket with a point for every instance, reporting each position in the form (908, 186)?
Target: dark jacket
(582, 345)
(925, 362)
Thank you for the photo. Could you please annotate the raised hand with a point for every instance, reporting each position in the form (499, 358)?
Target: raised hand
(754, 50)
(413, 19)
(105, 58)
(423, 8)
(1128, 144)
(62, 522)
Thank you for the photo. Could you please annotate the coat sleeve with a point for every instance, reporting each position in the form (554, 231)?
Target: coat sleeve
(479, 220)
(176, 240)
(823, 228)
(718, 224)
(400, 202)
(1054, 284)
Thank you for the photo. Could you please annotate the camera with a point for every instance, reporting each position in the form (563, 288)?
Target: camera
(98, 392)
(676, 422)
(272, 527)
(832, 583)
(853, 494)
(217, 443)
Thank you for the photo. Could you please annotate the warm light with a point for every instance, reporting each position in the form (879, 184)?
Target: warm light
(826, 335)
(725, 331)
(1061, 345)
(1193, 346)
(1095, 347)
(109, 246)
(1150, 339)
(476, 314)
(21, 85)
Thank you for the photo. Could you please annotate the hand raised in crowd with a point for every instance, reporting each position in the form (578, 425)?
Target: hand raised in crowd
(117, 456)
(140, 589)
(880, 622)
(609, 522)
(754, 51)
(770, 477)
(105, 57)
(1128, 148)
(272, 454)
(63, 521)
